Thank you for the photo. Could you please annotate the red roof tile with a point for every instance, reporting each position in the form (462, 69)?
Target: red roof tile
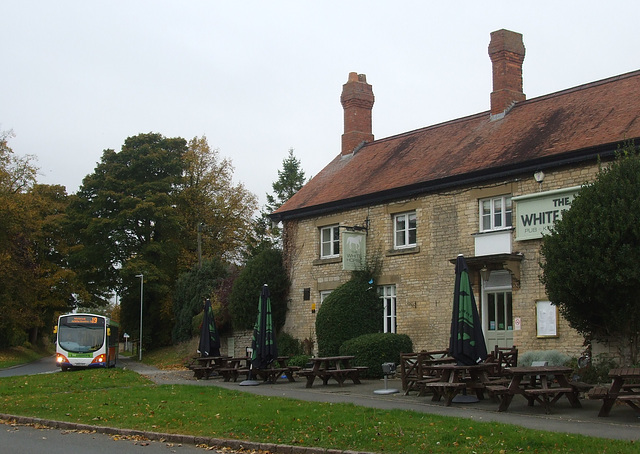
(535, 131)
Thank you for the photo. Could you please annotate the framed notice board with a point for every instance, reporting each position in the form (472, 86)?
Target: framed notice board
(546, 319)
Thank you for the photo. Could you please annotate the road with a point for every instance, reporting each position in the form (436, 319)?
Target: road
(31, 440)
(42, 366)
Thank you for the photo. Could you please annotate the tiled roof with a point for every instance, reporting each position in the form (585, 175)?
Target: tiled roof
(536, 133)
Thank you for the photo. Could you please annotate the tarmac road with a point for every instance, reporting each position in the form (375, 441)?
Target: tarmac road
(24, 439)
(42, 366)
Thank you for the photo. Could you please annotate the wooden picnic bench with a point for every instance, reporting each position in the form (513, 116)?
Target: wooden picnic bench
(625, 387)
(414, 372)
(233, 368)
(337, 368)
(456, 378)
(204, 367)
(278, 369)
(545, 385)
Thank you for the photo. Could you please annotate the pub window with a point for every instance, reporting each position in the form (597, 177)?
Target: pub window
(388, 295)
(404, 230)
(330, 241)
(495, 213)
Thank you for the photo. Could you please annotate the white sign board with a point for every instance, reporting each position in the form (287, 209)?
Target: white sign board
(354, 250)
(536, 213)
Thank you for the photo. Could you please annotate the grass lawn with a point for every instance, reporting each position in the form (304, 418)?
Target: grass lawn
(122, 398)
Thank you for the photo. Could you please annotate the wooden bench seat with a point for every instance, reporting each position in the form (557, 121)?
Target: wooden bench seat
(232, 373)
(625, 397)
(599, 392)
(496, 389)
(548, 391)
(201, 371)
(543, 395)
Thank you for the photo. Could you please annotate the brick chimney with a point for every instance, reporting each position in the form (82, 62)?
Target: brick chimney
(357, 101)
(506, 51)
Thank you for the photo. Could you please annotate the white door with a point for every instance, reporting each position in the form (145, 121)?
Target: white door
(497, 307)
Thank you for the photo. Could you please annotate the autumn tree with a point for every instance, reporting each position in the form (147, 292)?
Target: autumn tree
(35, 281)
(217, 213)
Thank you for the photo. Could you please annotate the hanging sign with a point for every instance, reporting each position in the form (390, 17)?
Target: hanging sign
(354, 250)
(536, 213)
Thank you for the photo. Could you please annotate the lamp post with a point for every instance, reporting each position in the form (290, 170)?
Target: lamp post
(141, 276)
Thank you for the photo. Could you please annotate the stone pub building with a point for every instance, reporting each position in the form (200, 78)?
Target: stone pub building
(486, 186)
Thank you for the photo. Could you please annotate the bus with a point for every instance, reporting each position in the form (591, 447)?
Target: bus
(86, 340)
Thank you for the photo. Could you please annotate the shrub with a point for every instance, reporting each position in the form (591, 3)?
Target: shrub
(349, 311)
(372, 350)
(552, 357)
(299, 360)
(288, 345)
(595, 373)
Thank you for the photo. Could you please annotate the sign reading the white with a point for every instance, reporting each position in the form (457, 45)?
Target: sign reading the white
(354, 251)
(536, 213)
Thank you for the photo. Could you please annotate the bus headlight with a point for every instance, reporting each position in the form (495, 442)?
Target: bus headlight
(60, 359)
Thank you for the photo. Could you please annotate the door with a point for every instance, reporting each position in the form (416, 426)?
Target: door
(497, 310)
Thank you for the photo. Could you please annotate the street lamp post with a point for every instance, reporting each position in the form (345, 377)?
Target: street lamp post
(141, 276)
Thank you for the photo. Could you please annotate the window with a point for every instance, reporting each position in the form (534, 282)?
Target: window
(330, 241)
(499, 306)
(404, 230)
(324, 294)
(495, 213)
(388, 295)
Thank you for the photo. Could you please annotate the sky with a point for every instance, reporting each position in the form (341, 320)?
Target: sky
(258, 78)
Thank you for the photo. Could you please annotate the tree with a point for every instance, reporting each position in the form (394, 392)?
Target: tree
(290, 179)
(126, 223)
(139, 213)
(192, 289)
(589, 264)
(35, 281)
(264, 268)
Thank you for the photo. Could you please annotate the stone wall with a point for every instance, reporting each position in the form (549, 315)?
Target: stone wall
(424, 275)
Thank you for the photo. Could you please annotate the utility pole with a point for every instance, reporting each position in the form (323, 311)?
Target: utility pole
(141, 276)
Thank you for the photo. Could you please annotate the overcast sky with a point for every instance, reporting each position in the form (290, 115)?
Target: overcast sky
(261, 77)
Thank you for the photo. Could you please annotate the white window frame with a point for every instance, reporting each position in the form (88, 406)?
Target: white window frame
(389, 303)
(323, 295)
(493, 213)
(334, 240)
(405, 233)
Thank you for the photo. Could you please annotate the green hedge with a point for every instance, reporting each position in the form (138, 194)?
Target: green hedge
(351, 310)
(372, 350)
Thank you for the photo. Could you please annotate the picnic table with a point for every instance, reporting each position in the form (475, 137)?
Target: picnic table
(277, 369)
(542, 384)
(452, 379)
(204, 366)
(332, 367)
(625, 387)
(234, 367)
(413, 366)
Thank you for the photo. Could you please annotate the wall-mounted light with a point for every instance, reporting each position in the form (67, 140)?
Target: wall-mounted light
(539, 176)
(485, 273)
